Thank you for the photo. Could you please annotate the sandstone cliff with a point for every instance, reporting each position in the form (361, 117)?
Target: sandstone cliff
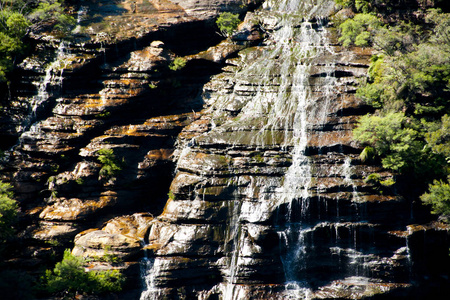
(240, 178)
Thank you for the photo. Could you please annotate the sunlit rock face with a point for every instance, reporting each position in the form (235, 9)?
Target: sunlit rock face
(269, 200)
(239, 175)
(107, 86)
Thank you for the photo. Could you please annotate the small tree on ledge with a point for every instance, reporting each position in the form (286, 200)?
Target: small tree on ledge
(227, 23)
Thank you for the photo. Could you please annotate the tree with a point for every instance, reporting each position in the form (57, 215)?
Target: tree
(438, 196)
(227, 23)
(13, 26)
(70, 276)
(51, 12)
(399, 141)
(8, 211)
(438, 137)
(111, 166)
(359, 30)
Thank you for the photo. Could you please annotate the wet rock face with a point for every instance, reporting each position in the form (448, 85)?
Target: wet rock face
(243, 161)
(269, 191)
(110, 87)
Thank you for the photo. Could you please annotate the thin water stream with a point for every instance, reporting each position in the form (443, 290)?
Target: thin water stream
(283, 105)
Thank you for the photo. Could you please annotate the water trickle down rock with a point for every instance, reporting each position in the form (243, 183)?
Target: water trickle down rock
(119, 94)
(268, 200)
(242, 220)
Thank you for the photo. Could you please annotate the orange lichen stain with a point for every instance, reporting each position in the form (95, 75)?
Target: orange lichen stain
(94, 103)
(106, 201)
(131, 130)
(87, 231)
(36, 210)
(441, 226)
(160, 154)
(165, 207)
(153, 246)
(200, 156)
(416, 227)
(399, 233)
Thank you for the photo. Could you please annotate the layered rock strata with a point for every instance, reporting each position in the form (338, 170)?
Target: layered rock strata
(251, 184)
(108, 86)
(269, 199)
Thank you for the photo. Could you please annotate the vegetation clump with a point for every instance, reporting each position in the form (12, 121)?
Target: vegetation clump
(227, 23)
(111, 165)
(8, 211)
(177, 64)
(408, 85)
(69, 277)
(358, 30)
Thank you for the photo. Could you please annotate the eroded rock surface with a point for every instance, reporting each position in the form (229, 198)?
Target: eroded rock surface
(243, 161)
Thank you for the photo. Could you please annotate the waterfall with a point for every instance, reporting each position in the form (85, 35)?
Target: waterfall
(295, 47)
(52, 79)
(51, 82)
(148, 271)
(295, 192)
(53, 75)
(283, 111)
(81, 16)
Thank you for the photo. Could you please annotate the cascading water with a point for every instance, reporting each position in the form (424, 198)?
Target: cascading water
(295, 192)
(282, 96)
(50, 83)
(81, 15)
(53, 76)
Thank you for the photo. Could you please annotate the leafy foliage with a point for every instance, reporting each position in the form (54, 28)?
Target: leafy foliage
(227, 23)
(19, 17)
(438, 137)
(368, 154)
(359, 30)
(8, 211)
(51, 12)
(13, 26)
(69, 276)
(111, 166)
(408, 85)
(438, 197)
(177, 64)
(399, 141)
(359, 5)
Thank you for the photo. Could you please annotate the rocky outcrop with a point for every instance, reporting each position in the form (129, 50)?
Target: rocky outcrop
(243, 161)
(109, 86)
(269, 199)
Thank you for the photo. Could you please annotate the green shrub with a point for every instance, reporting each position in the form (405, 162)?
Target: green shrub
(8, 211)
(438, 137)
(70, 277)
(171, 195)
(359, 30)
(227, 23)
(399, 141)
(177, 64)
(378, 184)
(368, 154)
(438, 197)
(111, 166)
(373, 178)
